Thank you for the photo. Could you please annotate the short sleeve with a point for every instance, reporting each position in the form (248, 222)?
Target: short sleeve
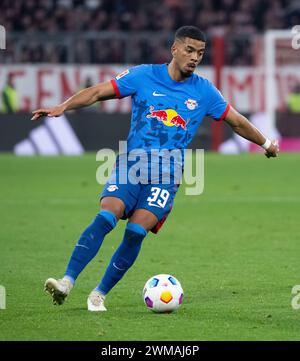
(217, 106)
(127, 82)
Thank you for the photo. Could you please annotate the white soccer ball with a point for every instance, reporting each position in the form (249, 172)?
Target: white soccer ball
(163, 293)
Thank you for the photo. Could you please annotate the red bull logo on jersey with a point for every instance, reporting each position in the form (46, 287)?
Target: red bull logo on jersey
(168, 116)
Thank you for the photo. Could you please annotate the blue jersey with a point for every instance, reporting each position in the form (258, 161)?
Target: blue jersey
(165, 117)
(165, 113)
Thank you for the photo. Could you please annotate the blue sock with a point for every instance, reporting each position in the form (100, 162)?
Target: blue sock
(89, 243)
(123, 258)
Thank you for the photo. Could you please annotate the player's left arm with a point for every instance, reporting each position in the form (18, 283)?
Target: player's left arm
(245, 129)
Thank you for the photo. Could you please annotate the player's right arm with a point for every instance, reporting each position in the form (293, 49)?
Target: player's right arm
(85, 97)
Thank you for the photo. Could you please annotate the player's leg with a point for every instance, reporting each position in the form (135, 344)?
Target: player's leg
(91, 239)
(144, 218)
(153, 206)
(136, 230)
(87, 247)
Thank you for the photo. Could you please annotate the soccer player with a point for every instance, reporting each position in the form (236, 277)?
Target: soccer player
(169, 103)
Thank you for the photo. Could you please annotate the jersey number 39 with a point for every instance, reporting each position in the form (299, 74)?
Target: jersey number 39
(158, 198)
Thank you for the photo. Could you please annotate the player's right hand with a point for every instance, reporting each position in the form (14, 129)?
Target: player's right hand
(48, 112)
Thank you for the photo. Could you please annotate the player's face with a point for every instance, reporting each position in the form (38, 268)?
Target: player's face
(187, 54)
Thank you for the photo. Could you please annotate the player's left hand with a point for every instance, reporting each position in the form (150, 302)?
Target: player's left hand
(273, 149)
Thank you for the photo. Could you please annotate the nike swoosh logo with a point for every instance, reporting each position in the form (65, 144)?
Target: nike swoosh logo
(158, 94)
(120, 269)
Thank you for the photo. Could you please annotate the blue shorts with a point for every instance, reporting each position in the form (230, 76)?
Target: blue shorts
(157, 198)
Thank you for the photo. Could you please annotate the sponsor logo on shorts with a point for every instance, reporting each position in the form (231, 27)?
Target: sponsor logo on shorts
(112, 188)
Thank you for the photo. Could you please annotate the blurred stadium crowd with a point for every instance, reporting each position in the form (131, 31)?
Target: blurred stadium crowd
(92, 28)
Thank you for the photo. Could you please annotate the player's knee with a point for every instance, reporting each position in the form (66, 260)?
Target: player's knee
(114, 205)
(144, 218)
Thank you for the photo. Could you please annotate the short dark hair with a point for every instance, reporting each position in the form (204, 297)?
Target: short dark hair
(189, 31)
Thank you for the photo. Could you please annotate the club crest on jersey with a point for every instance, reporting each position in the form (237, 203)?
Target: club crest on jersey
(119, 76)
(191, 104)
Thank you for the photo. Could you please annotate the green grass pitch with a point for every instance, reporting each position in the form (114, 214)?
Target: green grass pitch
(235, 249)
